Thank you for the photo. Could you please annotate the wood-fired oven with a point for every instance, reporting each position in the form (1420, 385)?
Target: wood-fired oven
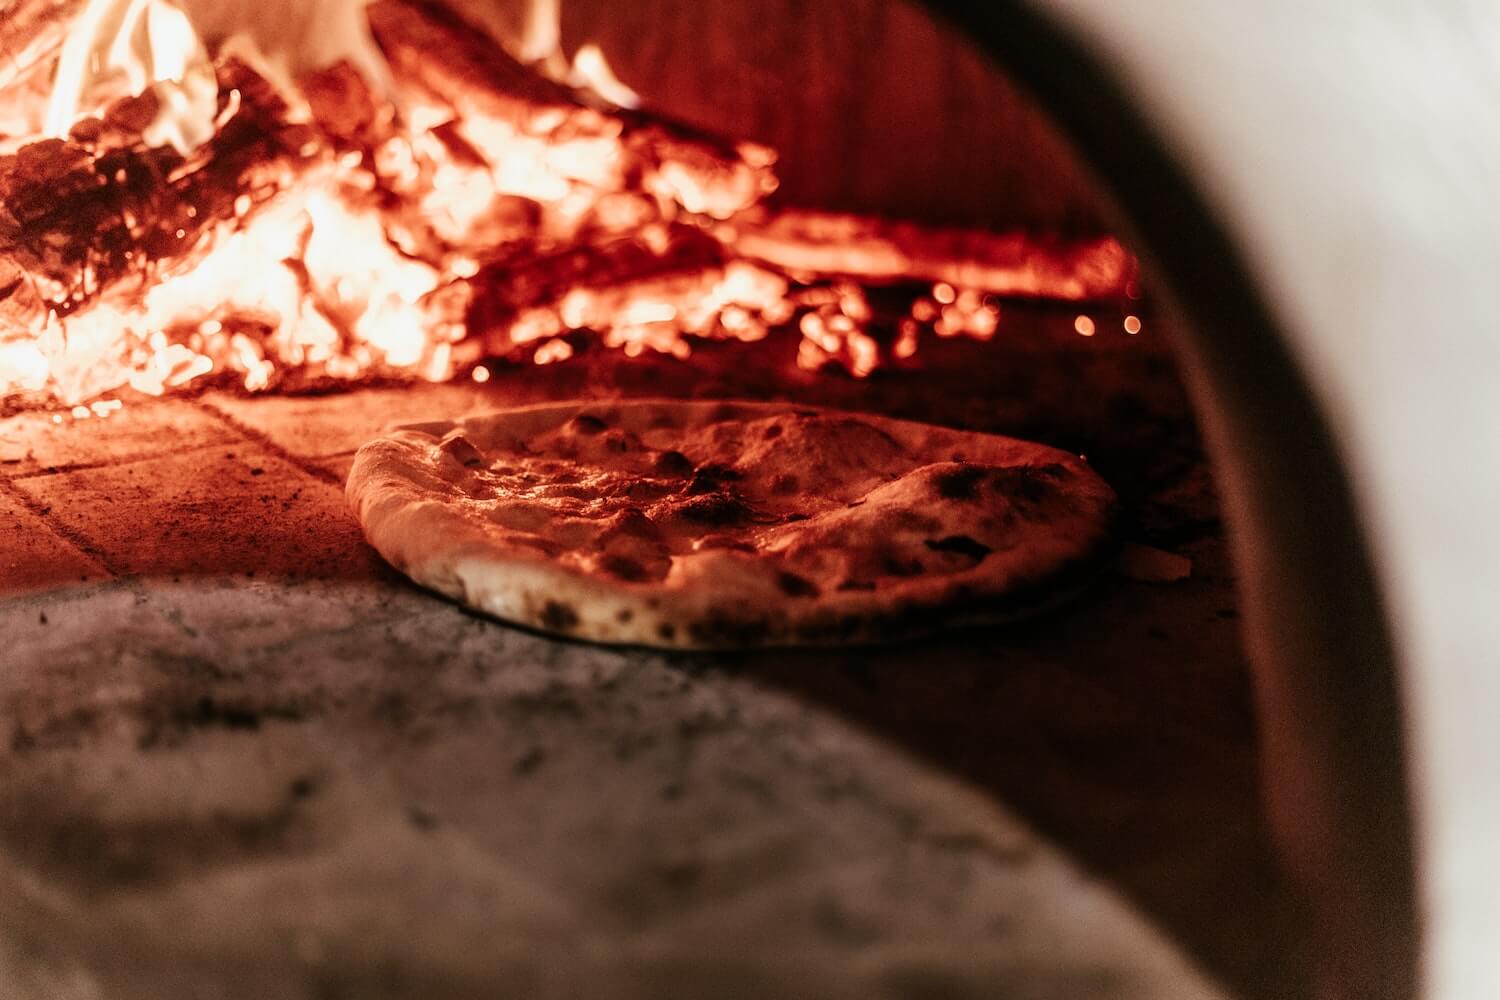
(243, 758)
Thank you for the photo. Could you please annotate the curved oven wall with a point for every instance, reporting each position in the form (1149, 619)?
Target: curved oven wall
(1314, 190)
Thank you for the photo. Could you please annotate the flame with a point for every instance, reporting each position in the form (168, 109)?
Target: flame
(371, 258)
(540, 45)
(121, 48)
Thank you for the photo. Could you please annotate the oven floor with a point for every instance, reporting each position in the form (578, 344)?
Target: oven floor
(239, 757)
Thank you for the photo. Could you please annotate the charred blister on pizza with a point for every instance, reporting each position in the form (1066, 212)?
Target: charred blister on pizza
(723, 628)
(673, 463)
(961, 545)
(647, 491)
(558, 617)
(959, 484)
(636, 523)
(711, 478)
(624, 568)
(796, 586)
(896, 564)
(587, 425)
(708, 543)
(1027, 484)
(545, 546)
(617, 442)
(716, 510)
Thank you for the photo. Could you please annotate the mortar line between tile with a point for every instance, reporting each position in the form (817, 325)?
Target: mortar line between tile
(118, 463)
(43, 512)
(251, 434)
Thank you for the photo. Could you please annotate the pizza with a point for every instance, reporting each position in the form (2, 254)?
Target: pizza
(709, 525)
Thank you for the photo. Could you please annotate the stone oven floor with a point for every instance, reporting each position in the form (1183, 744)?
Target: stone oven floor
(239, 757)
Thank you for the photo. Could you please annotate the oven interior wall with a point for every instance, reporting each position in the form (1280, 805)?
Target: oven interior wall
(218, 693)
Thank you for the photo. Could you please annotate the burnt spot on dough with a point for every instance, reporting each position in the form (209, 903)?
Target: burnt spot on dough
(796, 586)
(894, 565)
(718, 509)
(558, 617)
(710, 478)
(773, 432)
(625, 616)
(724, 629)
(961, 545)
(1026, 483)
(634, 522)
(959, 484)
(711, 542)
(588, 425)
(673, 463)
(543, 545)
(666, 631)
(645, 490)
(624, 568)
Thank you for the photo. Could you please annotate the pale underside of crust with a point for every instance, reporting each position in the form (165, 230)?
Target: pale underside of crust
(860, 528)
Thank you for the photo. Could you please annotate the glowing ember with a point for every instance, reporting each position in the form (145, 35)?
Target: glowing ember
(244, 200)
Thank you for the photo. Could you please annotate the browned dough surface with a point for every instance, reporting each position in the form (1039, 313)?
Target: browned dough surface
(716, 525)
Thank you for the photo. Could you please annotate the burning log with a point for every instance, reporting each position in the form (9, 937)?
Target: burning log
(500, 103)
(518, 302)
(98, 214)
(879, 251)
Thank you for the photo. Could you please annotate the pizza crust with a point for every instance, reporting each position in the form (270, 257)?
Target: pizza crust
(711, 525)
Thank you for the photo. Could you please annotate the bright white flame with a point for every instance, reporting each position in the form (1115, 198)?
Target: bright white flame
(591, 71)
(120, 48)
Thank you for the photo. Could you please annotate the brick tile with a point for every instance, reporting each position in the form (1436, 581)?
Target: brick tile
(312, 427)
(33, 558)
(237, 510)
(33, 442)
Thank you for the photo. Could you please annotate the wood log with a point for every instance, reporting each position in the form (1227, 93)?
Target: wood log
(83, 216)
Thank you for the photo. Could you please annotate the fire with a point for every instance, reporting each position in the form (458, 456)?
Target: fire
(274, 198)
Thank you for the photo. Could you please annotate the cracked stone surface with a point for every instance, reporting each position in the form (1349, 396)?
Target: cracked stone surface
(241, 758)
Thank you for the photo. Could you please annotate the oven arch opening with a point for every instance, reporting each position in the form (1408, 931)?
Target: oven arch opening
(1326, 674)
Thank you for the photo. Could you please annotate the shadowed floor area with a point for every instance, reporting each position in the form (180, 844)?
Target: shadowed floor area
(240, 751)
